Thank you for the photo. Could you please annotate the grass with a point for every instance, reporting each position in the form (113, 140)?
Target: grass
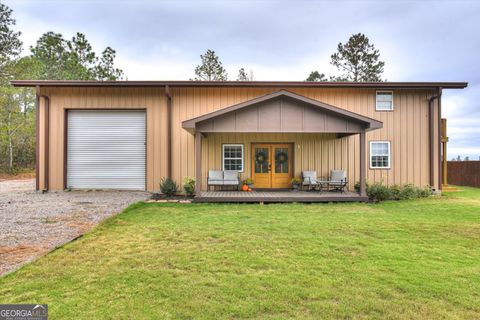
(406, 259)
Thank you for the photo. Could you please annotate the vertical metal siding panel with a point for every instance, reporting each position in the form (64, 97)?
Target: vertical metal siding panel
(55, 132)
(150, 114)
(403, 138)
(162, 156)
(416, 144)
(189, 140)
(395, 147)
(410, 140)
(175, 133)
(425, 162)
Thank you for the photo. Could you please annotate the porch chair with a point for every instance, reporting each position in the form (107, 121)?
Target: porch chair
(338, 180)
(310, 180)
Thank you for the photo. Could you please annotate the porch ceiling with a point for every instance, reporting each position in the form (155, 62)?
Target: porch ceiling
(282, 111)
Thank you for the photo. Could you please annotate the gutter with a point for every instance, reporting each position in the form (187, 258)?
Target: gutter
(47, 142)
(168, 96)
(439, 142)
(431, 125)
(37, 134)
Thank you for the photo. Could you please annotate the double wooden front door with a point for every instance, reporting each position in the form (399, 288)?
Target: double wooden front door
(272, 165)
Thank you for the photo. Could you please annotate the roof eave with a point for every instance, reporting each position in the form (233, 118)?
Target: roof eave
(89, 83)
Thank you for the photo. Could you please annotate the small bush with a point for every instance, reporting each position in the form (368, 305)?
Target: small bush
(168, 187)
(189, 186)
(248, 181)
(395, 192)
(425, 192)
(296, 180)
(357, 186)
(408, 192)
(379, 192)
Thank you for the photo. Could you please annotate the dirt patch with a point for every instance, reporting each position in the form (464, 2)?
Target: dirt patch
(20, 254)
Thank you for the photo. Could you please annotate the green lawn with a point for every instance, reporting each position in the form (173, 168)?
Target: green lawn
(407, 259)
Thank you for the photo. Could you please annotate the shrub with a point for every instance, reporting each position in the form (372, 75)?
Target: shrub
(379, 192)
(357, 186)
(425, 192)
(395, 192)
(189, 186)
(168, 187)
(409, 192)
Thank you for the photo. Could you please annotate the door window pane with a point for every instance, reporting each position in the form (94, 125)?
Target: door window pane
(261, 160)
(281, 160)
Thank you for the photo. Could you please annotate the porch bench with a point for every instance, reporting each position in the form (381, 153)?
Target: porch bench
(223, 178)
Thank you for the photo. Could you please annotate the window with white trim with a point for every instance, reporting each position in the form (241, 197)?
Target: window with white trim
(232, 157)
(384, 101)
(379, 154)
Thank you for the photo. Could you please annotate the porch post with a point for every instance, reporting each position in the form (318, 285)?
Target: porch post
(198, 163)
(363, 167)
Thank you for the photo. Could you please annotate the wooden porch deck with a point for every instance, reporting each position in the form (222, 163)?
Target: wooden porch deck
(278, 196)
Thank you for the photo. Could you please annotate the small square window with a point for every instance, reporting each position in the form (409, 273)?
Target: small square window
(380, 155)
(384, 101)
(233, 157)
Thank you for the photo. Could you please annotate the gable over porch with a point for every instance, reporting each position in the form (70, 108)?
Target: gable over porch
(281, 117)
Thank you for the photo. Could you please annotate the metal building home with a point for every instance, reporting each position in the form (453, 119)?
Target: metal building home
(131, 134)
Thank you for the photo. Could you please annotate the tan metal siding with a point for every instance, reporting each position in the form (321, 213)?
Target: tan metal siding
(406, 127)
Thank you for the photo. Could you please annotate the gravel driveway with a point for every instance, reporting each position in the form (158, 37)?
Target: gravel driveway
(32, 223)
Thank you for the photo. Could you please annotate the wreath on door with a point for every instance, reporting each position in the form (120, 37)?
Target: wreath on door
(281, 157)
(261, 157)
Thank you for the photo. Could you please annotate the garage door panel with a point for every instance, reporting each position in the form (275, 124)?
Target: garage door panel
(106, 149)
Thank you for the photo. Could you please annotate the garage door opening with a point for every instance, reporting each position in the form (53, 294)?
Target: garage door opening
(106, 149)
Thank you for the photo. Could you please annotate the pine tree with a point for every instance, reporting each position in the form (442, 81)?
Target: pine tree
(242, 75)
(358, 59)
(316, 76)
(211, 68)
(10, 44)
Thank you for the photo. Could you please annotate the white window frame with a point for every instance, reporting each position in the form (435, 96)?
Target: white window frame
(233, 145)
(389, 154)
(376, 100)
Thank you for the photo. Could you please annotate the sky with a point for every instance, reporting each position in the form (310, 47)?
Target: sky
(281, 40)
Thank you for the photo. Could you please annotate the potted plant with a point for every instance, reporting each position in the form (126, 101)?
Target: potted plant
(296, 182)
(248, 182)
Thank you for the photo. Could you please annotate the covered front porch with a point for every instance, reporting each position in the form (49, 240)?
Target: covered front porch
(275, 138)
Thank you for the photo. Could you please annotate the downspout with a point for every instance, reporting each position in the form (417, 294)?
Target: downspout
(439, 138)
(169, 130)
(431, 125)
(37, 133)
(47, 141)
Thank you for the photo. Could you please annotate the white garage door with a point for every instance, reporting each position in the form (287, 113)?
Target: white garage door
(106, 149)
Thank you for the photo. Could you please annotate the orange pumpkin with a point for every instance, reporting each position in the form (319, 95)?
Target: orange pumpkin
(244, 187)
